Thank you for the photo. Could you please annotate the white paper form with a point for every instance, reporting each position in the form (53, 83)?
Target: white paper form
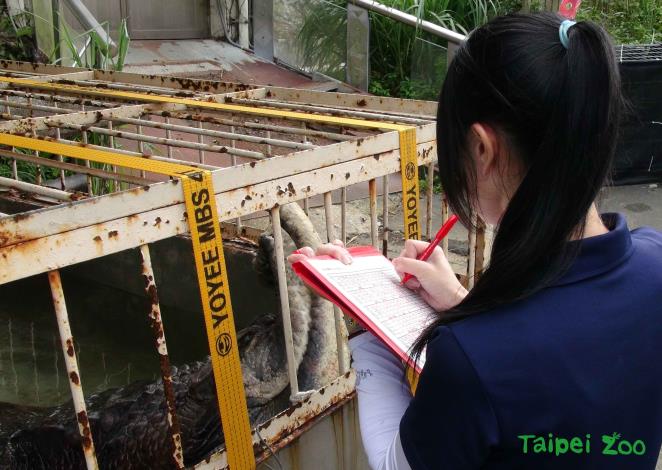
(373, 286)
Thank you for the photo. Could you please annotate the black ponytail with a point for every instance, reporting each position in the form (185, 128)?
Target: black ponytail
(559, 111)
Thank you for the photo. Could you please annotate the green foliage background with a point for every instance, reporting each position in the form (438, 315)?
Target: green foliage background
(409, 63)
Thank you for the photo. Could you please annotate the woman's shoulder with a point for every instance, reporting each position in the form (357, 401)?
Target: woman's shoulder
(647, 238)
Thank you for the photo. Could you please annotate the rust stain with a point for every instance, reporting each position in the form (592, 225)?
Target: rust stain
(74, 377)
(112, 234)
(86, 434)
(70, 347)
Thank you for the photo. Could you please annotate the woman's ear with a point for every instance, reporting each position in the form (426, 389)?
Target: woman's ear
(484, 146)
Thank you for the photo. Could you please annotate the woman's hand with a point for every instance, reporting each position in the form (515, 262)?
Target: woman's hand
(335, 250)
(434, 279)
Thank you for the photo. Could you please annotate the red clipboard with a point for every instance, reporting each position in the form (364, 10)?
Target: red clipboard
(324, 288)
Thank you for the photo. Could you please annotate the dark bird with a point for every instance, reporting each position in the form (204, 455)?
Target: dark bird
(129, 423)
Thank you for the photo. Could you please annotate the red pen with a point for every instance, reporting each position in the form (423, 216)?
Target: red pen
(443, 231)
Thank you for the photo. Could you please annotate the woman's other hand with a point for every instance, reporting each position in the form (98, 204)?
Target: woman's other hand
(335, 250)
(434, 279)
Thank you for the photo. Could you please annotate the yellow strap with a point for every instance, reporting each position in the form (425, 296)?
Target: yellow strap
(100, 156)
(219, 320)
(146, 97)
(409, 175)
(202, 215)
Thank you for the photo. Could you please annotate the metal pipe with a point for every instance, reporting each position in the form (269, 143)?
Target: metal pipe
(132, 87)
(36, 189)
(471, 263)
(71, 363)
(111, 144)
(331, 111)
(328, 215)
(14, 164)
(164, 141)
(164, 360)
(220, 134)
(86, 170)
(444, 219)
(284, 302)
(372, 190)
(201, 140)
(60, 158)
(83, 137)
(411, 20)
(168, 135)
(385, 191)
(134, 154)
(430, 193)
(38, 107)
(343, 214)
(58, 98)
(256, 125)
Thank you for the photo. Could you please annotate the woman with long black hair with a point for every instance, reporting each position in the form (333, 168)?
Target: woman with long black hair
(554, 358)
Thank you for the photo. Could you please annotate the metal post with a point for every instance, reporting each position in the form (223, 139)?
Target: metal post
(358, 47)
(372, 190)
(263, 29)
(328, 215)
(430, 195)
(70, 361)
(164, 360)
(284, 302)
(385, 191)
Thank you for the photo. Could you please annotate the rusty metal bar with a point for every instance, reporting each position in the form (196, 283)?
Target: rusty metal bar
(343, 214)
(39, 107)
(36, 189)
(86, 170)
(63, 181)
(332, 111)
(71, 363)
(284, 303)
(164, 360)
(385, 229)
(479, 249)
(83, 137)
(111, 144)
(471, 263)
(58, 98)
(428, 205)
(220, 134)
(163, 141)
(136, 154)
(201, 140)
(337, 137)
(372, 190)
(444, 219)
(341, 329)
(132, 87)
(328, 215)
(14, 165)
(168, 130)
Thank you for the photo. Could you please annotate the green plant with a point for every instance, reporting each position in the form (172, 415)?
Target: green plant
(628, 21)
(16, 35)
(404, 60)
(94, 53)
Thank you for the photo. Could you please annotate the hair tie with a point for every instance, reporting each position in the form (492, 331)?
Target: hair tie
(563, 31)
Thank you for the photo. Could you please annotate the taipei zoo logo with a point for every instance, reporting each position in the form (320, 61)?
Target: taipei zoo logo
(612, 444)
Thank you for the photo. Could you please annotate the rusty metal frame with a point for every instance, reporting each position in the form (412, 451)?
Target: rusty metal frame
(310, 160)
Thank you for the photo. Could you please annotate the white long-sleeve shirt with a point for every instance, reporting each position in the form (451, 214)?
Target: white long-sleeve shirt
(383, 397)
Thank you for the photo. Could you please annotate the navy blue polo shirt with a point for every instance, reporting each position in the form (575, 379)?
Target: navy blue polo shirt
(570, 378)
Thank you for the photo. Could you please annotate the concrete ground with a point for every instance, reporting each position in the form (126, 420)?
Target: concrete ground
(641, 205)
